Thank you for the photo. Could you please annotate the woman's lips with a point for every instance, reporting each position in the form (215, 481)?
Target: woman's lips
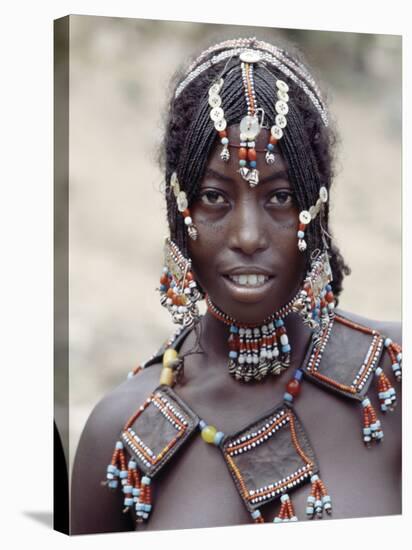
(248, 288)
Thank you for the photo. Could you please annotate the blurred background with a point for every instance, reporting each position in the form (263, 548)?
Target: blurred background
(119, 79)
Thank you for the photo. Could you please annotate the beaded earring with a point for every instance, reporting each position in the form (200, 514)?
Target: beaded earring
(315, 302)
(178, 289)
(182, 206)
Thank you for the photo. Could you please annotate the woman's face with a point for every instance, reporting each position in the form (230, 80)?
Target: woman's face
(246, 256)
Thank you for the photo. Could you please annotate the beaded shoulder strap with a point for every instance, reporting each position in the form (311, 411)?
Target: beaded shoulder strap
(175, 342)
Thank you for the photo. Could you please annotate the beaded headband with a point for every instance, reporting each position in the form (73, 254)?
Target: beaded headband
(269, 55)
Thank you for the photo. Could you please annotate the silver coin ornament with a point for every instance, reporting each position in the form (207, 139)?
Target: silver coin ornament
(281, 121)
(282, 86)
(220, 125)
(216, 114)
(323, 194)
(250, 56)
(281, 107)
(304, 217)
(284, 96)
(249, 127)
(215, 100)
(276, 132)
(216, 87)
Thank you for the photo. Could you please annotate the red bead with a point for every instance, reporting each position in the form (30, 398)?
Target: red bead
(251, 154)
(164, 279)
(293, 387)
(170, 293)
(222, 134)
(242, 153)
(329, 297)
(273, 140)
(186, 213)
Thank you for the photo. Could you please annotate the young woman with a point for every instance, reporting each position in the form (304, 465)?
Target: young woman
(266, 408)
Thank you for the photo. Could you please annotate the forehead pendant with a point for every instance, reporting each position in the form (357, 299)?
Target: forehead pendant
(251, 123)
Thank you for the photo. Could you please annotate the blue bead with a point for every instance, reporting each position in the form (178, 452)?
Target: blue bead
(256, 514)
(328, 288)
(224, 141)
(279, 323)
(288, 397)
(234, 329)
(242, 162)
(270, 147)
(163, 288)
(202, 424)
(301, 234)
(233, 354)
(112, 484)
(298, 375)
(218, 438)
(286, 348)
(252, 164)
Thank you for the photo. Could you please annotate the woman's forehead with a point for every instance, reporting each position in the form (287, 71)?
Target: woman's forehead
(230, 168)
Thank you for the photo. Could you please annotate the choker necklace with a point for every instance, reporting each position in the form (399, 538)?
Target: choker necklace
(256, 350)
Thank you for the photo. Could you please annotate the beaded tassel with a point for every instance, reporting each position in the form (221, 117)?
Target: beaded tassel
(386, 392)
(257, 516)
(117, 468)
(371, 424)
(143, 504)
(318, 500)
(286, 512)
(395, 353)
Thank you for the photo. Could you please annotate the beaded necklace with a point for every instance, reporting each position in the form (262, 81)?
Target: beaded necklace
(256, 350)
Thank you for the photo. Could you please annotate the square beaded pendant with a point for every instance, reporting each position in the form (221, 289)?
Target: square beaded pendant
(270, 457)
(158, 429)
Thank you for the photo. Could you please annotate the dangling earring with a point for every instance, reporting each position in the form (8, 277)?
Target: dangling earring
(178, 289)
(306, 216)
(315, 302)
(182, 206)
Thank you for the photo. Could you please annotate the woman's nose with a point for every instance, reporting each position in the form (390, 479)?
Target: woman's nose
(247, 229)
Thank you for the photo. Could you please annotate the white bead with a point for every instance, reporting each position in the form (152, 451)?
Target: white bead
(188, 220)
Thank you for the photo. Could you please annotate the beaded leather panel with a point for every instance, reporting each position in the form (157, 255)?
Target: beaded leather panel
(346, 358)
(158, 429)
(269, 457)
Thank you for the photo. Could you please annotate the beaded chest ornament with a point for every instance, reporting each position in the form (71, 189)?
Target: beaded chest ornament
(161, 426)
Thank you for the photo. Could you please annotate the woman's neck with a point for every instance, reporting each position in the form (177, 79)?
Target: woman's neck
(214, 337)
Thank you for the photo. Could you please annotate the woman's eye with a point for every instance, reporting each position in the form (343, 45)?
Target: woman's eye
(212, 197)
(282, 198)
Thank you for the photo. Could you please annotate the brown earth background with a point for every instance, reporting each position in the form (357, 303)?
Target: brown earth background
(119, 76)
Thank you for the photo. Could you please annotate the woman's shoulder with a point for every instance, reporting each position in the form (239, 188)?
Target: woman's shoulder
(388, 329)
(94, 452)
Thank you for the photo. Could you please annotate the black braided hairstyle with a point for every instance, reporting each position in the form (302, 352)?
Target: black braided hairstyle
(307, 144)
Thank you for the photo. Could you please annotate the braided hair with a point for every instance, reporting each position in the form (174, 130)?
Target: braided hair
(307, 144)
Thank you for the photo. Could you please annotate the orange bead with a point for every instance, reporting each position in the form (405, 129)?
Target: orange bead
(169, 293)
(223, 134)
(251, 154)
(186, 213)
(164, 279)
(242, 153)
(189, 276)
(273, 140)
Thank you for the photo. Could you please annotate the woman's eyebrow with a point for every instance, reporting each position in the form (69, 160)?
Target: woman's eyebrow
(281, 175)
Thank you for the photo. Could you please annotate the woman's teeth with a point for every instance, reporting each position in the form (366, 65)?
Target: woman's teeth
(249, 280)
